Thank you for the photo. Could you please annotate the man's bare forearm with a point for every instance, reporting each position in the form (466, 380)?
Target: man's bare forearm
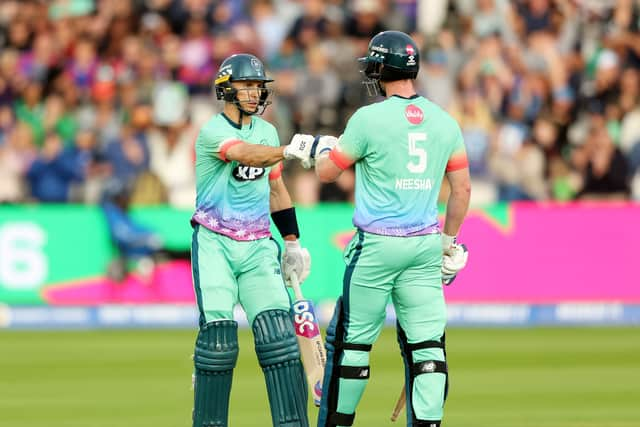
(326, 170)
(279, 197)
(255, 155)
(457, 207)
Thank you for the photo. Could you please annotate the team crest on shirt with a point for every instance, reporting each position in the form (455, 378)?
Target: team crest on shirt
(414, 114)
(247, 173)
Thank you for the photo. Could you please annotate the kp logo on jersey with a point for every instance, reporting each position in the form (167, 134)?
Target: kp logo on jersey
(414, 114)
(247, 173)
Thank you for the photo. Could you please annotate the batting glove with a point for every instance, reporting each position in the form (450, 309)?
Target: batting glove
(295, 259)
(321, 144)
(454, 258)
(299, 148)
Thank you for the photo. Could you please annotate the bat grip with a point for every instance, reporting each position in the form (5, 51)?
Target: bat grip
(295, 284)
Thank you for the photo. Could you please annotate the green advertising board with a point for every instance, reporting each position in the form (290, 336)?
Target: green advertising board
(43, 246)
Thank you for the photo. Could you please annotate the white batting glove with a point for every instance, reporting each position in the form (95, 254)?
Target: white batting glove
(295, 259)
(299, 148)
(454, 258)
(321, 144)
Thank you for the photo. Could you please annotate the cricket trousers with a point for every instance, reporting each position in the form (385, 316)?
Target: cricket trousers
(407, 271)
(227, 272)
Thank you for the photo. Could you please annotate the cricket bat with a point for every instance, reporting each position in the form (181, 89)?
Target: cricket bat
(402, 400)
(314, 356)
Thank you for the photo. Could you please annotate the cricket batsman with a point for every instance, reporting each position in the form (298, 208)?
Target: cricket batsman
(402, 148)
(234, 258)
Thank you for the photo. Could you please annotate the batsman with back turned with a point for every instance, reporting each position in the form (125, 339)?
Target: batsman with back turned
(402, 147)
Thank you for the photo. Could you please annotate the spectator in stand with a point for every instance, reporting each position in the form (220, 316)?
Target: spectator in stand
(38, 63)
(56, 118)
(66, 66)
(91, 164)
(436, 82)
(30, 110)
(16, 154)
(197, 69)
(7, 122)
(83, 65)
(364, 22)
(630, 123)
(128, 155)
(517, 163)
(270, 29)
(171, 145)
(310, 27)
(477, 126)
(318, 91)
(50, 176)
(606, 174)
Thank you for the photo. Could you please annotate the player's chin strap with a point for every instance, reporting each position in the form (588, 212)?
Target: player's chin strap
(345, 376)
(413, 369)
(241, 111)
(279, 356)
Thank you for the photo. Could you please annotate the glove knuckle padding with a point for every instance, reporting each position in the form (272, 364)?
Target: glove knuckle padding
(215, 356)
(425, 367)
(279, 356)
(326, 142)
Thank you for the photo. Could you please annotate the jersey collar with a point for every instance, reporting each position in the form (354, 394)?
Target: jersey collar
(414, 96)
(234, 124)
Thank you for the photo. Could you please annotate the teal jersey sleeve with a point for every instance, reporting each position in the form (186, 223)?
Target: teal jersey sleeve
(352, 145)
(209, 140)
(401, 148)
(231, 198)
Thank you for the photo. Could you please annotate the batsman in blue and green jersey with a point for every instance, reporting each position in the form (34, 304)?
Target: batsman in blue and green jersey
(402, 149)
(234, 258)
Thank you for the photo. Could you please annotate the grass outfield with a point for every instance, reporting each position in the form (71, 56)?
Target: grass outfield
(569, 377)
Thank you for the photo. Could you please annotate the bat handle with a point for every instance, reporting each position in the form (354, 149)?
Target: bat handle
(295, 284)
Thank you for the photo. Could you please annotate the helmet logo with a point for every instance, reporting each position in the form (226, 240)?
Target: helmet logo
(412, 55)
(380, 49)
(413, 114)
(255, 64)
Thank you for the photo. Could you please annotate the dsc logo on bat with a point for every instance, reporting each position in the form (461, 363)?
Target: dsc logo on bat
(305, 319)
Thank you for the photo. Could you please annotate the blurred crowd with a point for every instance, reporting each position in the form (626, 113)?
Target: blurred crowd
(547, 92)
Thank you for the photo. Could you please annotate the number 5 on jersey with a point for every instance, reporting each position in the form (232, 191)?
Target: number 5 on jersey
(418, 155)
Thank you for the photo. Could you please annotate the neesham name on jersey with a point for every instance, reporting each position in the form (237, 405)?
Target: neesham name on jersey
(413, 184)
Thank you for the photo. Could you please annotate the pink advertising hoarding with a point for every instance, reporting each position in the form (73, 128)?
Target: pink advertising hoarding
(520, 253)
(549, 253)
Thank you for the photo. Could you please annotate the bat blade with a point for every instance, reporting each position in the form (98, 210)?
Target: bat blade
(311, 346)
(314, 356)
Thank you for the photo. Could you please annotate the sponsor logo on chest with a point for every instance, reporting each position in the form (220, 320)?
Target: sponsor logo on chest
(247, 173)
